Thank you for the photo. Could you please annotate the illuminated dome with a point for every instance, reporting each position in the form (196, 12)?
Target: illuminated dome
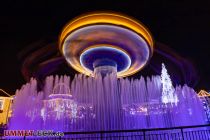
(106, 39)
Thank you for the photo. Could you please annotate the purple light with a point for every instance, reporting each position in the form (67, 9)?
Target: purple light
(103, 104)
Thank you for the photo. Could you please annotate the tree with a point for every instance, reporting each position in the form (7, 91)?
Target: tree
(168, 95)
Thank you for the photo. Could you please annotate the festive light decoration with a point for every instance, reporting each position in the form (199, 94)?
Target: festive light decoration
(205, 98)
(61, 107)
(168, 95)
(203, 93)
(6, 93)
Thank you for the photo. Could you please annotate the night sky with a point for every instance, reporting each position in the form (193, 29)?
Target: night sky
(184, 26)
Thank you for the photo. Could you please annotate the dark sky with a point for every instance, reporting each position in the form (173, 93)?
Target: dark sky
(184, 26)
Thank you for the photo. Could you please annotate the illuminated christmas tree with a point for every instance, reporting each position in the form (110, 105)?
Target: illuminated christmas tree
(167, 87)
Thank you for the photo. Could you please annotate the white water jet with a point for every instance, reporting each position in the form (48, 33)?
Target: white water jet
(102, 103)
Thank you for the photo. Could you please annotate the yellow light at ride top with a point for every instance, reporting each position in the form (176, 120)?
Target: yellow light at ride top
(106, 18)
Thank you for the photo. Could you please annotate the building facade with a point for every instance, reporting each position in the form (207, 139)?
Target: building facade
(5, 109)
